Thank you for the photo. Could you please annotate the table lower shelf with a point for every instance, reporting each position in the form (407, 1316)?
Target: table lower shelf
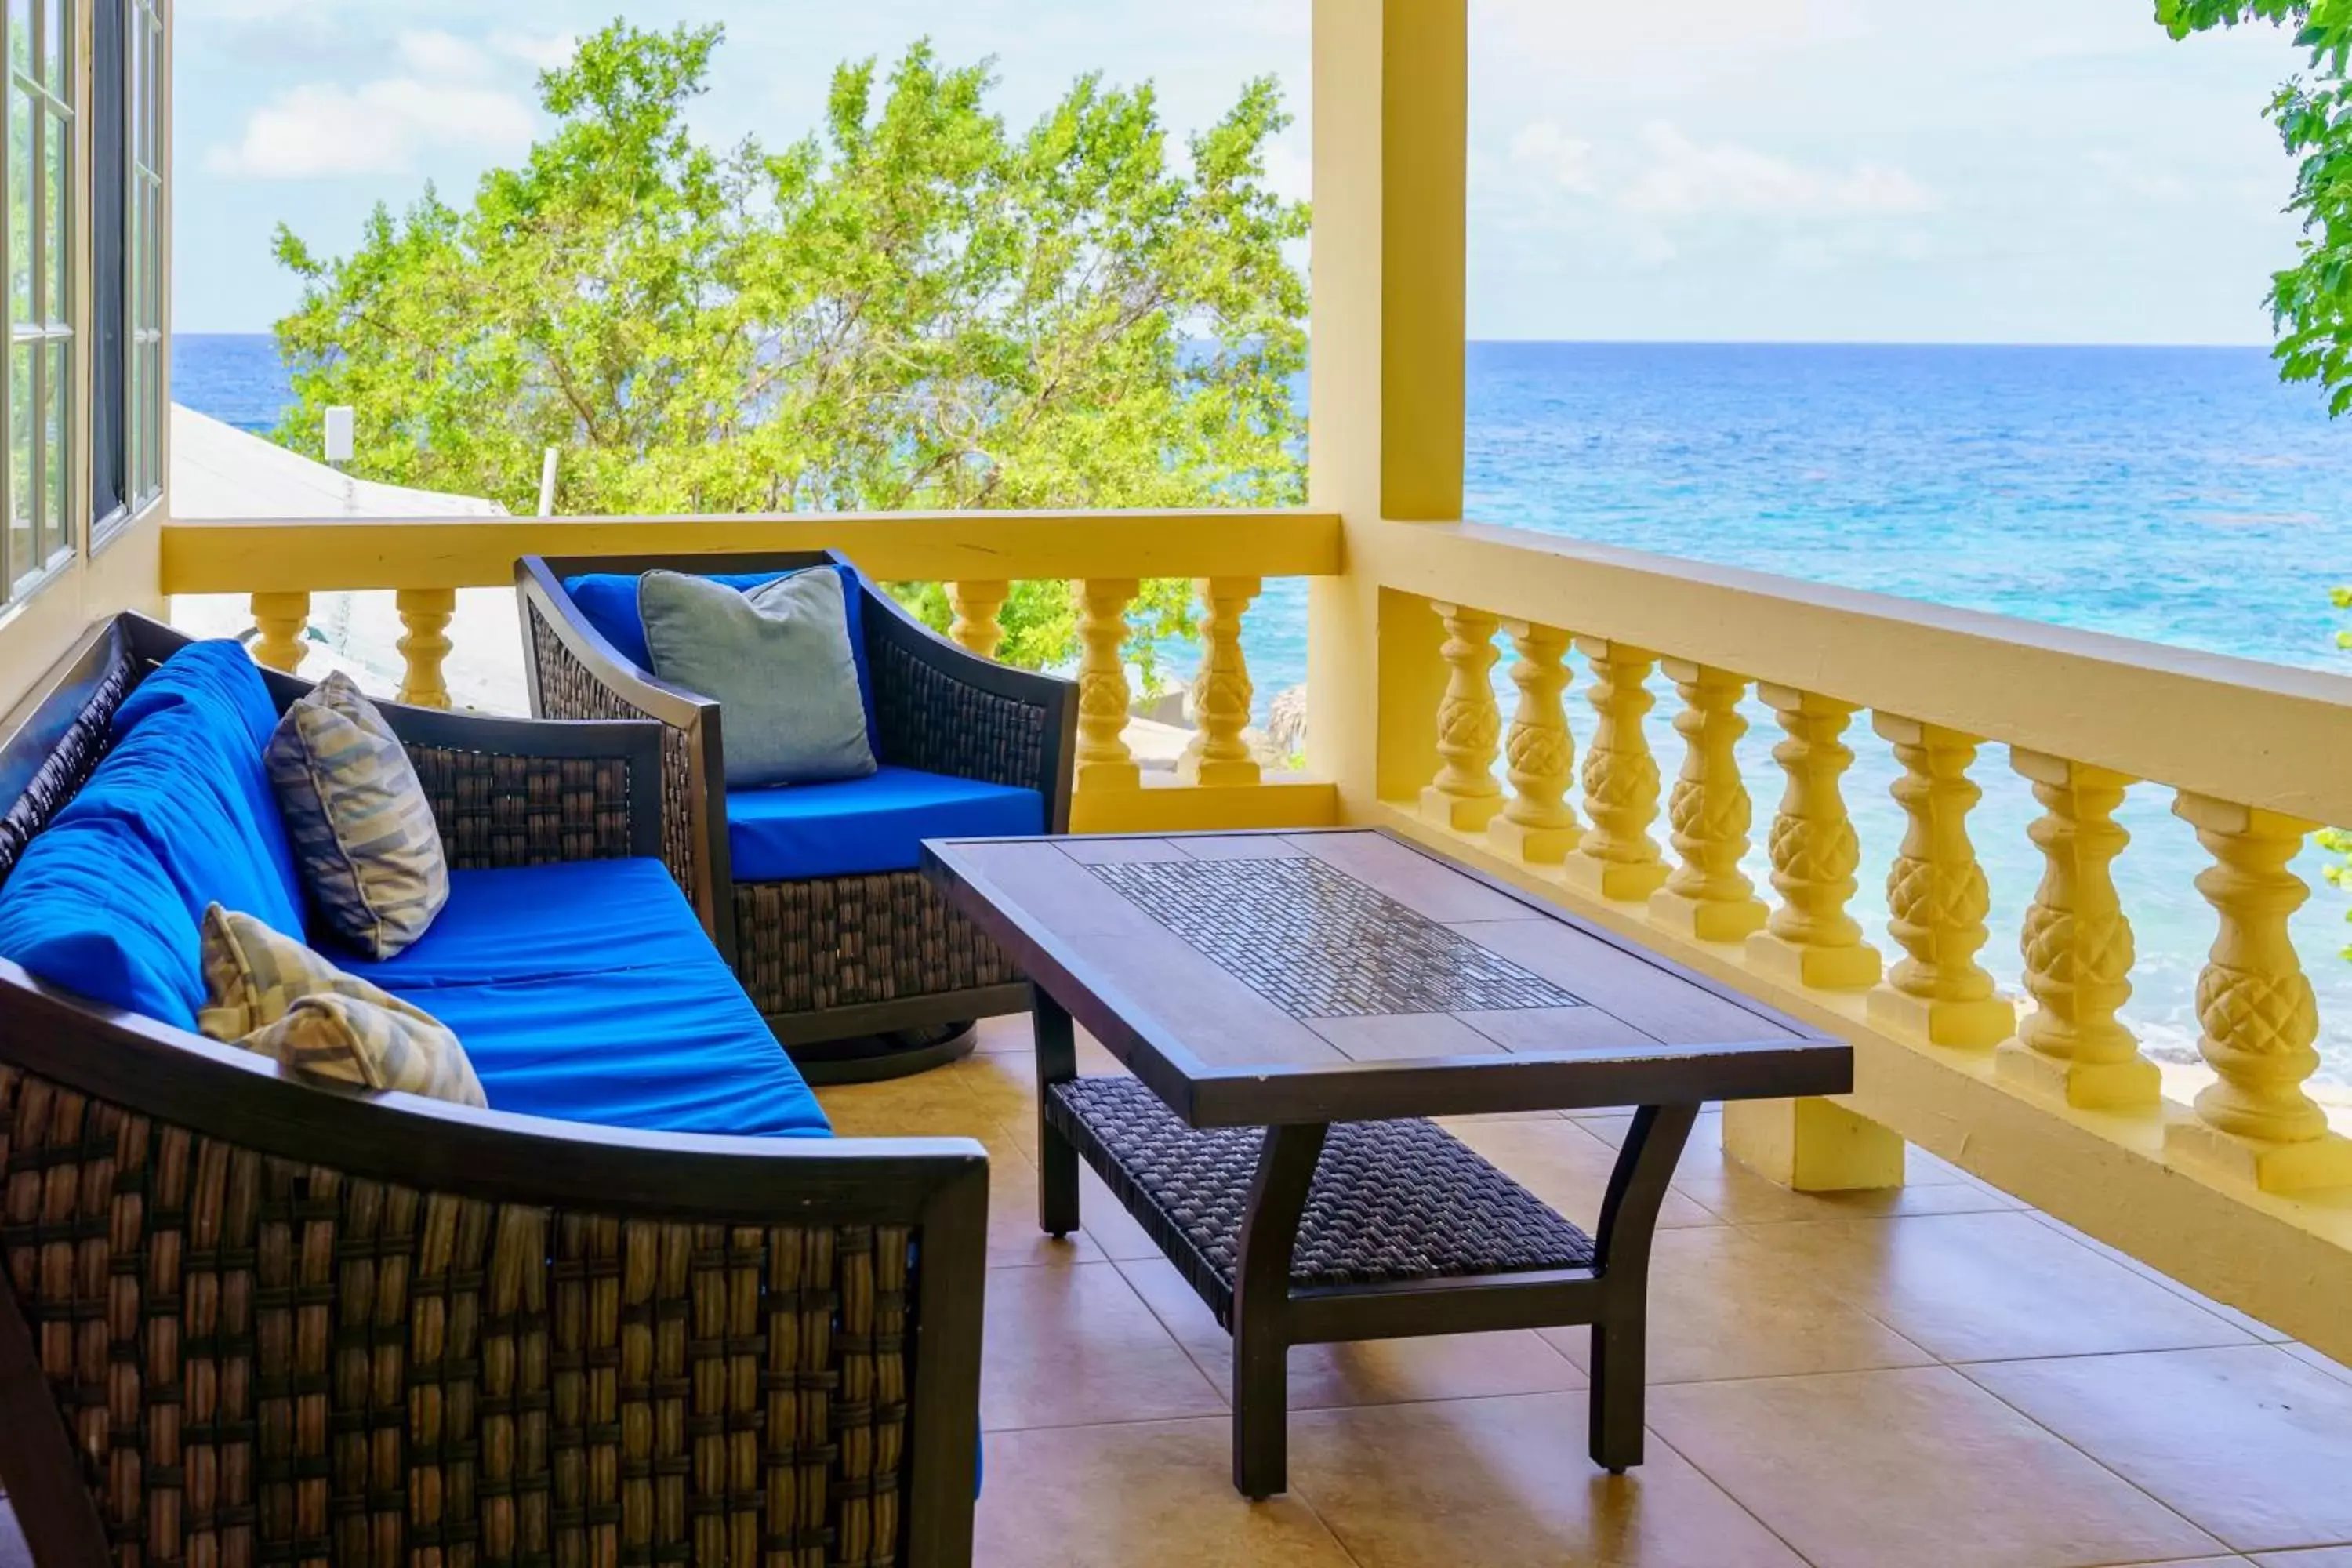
(1391, 1201)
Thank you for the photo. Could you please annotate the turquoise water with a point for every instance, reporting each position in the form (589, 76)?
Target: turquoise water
(2179, 495)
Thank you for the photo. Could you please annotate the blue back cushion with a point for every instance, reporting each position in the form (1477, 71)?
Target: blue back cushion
(608, 602)
(179, 814)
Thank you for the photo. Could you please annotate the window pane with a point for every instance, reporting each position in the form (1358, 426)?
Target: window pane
(20, 462)
(53, 144)
(21, 124)
(56, 525)
(20, 35)
(56, 24)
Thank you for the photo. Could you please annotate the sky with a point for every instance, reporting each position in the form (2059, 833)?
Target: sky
(2007, 171)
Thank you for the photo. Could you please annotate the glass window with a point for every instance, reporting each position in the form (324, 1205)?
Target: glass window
(40, 214)
(126, 309)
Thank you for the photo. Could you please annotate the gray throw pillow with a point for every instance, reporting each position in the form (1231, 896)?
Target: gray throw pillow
(777, 659)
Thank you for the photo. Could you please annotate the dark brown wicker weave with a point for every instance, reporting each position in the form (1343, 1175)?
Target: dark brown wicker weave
(840, 966)
(245, 1320)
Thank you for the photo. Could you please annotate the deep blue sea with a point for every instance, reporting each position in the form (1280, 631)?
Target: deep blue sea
(2179, 495)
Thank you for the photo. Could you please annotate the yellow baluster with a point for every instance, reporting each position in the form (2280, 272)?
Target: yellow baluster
(283, 618)
(1537, 826)
(1936, 893)
(1706, 897)
(1464, 795)
(425, 613)
(2259, 1016)
(976, 605)
(1221, 691)
(1616, 857)
(2077, 947)
(1811, 940)
(1103, 763)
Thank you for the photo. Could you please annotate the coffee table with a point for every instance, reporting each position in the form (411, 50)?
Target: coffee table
(1292, 1008)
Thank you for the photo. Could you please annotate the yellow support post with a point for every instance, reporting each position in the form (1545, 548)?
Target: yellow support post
(1464, 795)
(425, 613)
(2078, 949)
(1616, 857)
(1103, 763)
(1217, 755)
(1707, 897)
(976, 605)
(1936, 896)
(1537, 826)
(2261, 1021)
(1811, 940)
(282, 618)
(1811, 1145)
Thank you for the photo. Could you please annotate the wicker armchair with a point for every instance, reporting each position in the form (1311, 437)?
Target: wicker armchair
(245, 1319)
(860, 976)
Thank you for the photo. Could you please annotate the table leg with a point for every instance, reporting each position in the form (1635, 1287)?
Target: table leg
(1286, 1170)
(1058, 1161)
(1629, 1219)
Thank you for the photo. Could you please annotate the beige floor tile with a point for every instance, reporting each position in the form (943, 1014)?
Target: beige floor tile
(2327, 1364)
(1740, 1195)
(935, 1104)
(1374, 1372)
(2227, 1313)
(1564, 1166)
(1869, 1469)
(1505, 1483)
(1157, 1495)
(1013, 1238)
(2324, 1557)
(1006, 1032)
(2249, 1442)
(1985, 1287)
(1610, 1126)
(1065, 1347)
(1002, 1083)
(1726, 1304)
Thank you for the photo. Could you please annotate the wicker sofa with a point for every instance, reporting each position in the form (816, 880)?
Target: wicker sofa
(860, 966)
(245, 1318)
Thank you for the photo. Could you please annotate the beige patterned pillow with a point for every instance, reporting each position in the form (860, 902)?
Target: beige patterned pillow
(361, 829)
(271, 994)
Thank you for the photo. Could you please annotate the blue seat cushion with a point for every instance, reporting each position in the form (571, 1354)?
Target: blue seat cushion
(858, 826)
(608, 602)
(587, 992)
(109, 898)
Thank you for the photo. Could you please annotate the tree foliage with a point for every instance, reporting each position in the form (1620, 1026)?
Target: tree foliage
(913, 307)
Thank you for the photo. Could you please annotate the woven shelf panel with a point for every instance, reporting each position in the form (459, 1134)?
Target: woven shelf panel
(1391, 1201)
(269, 1363)
(840, 941)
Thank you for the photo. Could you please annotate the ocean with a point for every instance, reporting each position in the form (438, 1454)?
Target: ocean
(2178, 495)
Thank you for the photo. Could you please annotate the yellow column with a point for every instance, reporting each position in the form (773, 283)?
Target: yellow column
(1706, 897)
(281, 619)
(1616, 857)
(1538, 824)
(1104, 762)
(1221, 691)
(976, 605)
(1811, 1145)
(1811, 940)
(425, 613)
(2260, 1018)
(2077, 947)
(1464, 795)
(1936, 896)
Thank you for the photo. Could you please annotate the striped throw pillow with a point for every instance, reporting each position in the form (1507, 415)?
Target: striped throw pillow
(363, 830)
(269, 993)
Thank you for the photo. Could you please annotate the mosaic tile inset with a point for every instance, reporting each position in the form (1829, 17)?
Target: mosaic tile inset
(1317, 943)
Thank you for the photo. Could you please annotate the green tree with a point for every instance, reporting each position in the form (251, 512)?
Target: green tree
(912, 308)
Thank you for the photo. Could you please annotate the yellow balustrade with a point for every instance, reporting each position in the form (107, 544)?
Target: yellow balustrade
(1104, 762)
(1616, 857)
(2077, 946)
(1538, 824)
(425, 613)
(1937, 898)
(976, 602)
(1464, 795)
(1811, 940)
(2255, 1003)
(1706, 897)
(1217, 756)
(281, 619)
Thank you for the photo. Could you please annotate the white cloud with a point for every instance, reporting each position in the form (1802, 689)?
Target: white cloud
(1566, 160)
(1681, 177)
(380, 128)
(429, 52)
(541, 51)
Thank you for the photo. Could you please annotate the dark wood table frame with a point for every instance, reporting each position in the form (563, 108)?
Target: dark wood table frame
(1296, 1103)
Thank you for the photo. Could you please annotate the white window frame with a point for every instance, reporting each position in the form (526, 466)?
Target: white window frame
(51, 106)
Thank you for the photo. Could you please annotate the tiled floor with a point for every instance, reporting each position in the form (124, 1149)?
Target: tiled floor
(1934, 1377)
